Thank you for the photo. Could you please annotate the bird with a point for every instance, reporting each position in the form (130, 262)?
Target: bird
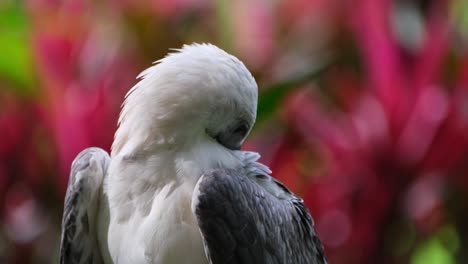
(176, 187)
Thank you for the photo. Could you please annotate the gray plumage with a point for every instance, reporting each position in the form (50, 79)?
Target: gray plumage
(79, 241)
(252, 218)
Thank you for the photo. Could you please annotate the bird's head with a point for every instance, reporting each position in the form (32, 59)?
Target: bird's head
(197, 93)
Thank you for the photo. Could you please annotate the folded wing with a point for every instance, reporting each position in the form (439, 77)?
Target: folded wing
(79, 239)
(245, 216)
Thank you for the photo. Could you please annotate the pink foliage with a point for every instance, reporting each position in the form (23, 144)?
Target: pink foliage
(376, 145)
(401, 138)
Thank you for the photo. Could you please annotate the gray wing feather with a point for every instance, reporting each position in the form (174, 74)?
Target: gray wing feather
(79, 239)
(252, 218)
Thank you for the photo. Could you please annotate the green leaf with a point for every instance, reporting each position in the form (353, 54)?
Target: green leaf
(432, 252)
(223, 11)
(272, 96)
(459, 13)
(16, 57)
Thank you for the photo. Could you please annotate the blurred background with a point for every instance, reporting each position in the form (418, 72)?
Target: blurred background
(363, 110)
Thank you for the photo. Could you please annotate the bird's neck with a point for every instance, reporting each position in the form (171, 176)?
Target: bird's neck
(134, 181)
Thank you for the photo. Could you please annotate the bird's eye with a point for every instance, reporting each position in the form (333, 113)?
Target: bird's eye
(241, 129)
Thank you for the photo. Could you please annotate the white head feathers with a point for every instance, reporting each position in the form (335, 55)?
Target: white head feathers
(197, 91)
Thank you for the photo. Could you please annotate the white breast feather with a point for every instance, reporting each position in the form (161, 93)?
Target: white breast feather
(158, 156)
